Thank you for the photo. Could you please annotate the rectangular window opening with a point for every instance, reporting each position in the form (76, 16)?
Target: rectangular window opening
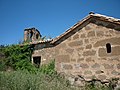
(37, 61)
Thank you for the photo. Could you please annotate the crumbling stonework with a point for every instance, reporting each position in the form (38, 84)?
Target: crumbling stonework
(31, 35)
(90, 49)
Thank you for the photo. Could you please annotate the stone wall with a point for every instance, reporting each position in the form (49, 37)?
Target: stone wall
(85, 52)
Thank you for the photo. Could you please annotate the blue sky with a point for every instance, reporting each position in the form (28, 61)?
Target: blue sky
(50, 17)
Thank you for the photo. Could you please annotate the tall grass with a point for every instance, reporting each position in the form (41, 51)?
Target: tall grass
(24, 80)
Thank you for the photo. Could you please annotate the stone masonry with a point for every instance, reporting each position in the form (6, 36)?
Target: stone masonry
(31, 34)
(90, 49)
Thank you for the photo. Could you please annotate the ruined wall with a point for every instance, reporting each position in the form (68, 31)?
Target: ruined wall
(92, 52)
(31, 35)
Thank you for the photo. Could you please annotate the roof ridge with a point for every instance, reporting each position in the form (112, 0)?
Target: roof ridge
(90, 15)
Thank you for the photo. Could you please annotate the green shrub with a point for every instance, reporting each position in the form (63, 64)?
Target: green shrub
(25, 65)
(3, 66)
(23, 80)
(17, 57)
(49, 68)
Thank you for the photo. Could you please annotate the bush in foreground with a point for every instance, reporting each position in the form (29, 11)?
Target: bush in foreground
(17, 57)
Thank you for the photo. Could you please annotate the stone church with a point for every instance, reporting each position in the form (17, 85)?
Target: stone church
(90, 48)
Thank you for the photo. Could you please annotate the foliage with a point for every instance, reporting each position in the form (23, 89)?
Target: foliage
(17, 57)
(23, 80)
(48, 69)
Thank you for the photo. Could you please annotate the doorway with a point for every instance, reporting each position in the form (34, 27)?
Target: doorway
(37, 61)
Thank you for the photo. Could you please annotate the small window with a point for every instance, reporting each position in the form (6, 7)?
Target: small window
(108, 47)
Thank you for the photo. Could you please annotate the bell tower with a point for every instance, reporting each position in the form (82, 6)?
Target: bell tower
(31, 35)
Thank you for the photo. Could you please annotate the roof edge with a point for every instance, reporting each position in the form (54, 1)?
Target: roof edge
(90, 15)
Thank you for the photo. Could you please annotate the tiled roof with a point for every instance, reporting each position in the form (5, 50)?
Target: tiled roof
(91, 15)
(36, 42)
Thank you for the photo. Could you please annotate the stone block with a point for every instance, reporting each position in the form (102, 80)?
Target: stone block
(84, 65)
(61, 45)
(86, 41)
(82, 36)
(108, 66)
(89, 78)
(89, 53)
(88, 46)
(99, 72)
(96, 65)
(118, 66)
(102, 52)
(73, 60)
(67, 66)
(69, 50)
(102, 77)
(89, 59)
(114, 59)
(71, 80)
(80, 59)
(77, 66)
(56, 51)
(114, 72)
(80, 83)
(75, 43)
(88, 27)
(91, 34)
(69, 39)
(102, 58)
(80, 49)
(75, 36)
(99, 33)
(57, 66)
(87, 72)
(63, 58)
